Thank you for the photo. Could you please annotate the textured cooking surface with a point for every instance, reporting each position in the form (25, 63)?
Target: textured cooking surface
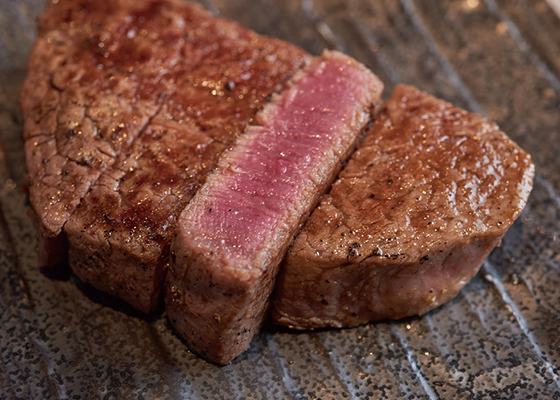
(497, 339)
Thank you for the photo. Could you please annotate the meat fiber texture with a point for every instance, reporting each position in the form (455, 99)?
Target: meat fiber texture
(429, 193)
(181, 82)
(101, 71)
(233, 235)
(87, 96)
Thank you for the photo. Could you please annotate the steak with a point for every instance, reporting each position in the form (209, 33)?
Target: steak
(235, 232)
(97, 73)
(118, 236)
(153, 128)
(429, 193)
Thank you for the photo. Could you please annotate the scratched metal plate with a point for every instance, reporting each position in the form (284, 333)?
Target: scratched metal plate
(498, 339)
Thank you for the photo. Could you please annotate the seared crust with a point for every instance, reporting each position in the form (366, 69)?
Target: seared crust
(89, 93)
(429, 193)
(119, 235)
(235, 232)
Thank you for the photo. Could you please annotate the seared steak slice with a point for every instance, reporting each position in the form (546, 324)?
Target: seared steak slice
(97, 73)
(119, 235)
(233, 235)
(429, 193)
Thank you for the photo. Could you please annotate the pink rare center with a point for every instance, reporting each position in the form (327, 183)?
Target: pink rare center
(275, 164)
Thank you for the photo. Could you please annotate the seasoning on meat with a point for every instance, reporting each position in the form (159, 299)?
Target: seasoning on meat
(236, 230)
(429, 193)
(119, 235)
(97, 73)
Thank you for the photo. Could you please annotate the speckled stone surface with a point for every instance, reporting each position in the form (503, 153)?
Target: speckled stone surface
(497, 340)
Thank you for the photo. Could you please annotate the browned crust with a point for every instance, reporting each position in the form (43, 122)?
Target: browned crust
(429, 181)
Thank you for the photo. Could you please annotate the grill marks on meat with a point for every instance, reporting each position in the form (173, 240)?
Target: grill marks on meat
(119, 235)
(429, 193)
(233, 235)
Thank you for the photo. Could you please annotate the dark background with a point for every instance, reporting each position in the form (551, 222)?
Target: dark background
(499, 339)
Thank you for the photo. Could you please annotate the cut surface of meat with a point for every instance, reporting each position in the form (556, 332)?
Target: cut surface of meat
(429, 193)
(119, 235)
(236, 230)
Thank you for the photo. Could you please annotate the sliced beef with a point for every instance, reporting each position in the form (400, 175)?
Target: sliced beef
(429, 193)
(119, 235)
(97, 73)
(233, 235)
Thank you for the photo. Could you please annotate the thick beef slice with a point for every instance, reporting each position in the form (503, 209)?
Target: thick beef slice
(236, 230)
(97, 73)
(119, 235)
(429, 193)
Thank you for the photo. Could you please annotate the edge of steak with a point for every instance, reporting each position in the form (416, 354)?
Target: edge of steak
(96, 75)
(429, 193)
(119, 235)
(233, 235)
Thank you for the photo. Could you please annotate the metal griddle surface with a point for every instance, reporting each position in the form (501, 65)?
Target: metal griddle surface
(498, 339)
